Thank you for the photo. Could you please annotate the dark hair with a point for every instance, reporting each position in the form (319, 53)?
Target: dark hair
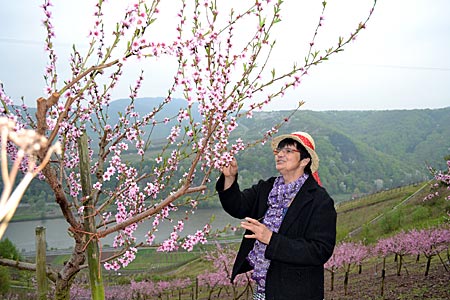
(303, 152)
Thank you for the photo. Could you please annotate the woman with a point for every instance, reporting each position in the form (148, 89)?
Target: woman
(290, 222)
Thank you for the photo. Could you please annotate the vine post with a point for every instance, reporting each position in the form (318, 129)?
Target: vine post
(41, 261)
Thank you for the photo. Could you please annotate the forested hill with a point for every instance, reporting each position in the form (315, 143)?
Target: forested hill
(364, 151)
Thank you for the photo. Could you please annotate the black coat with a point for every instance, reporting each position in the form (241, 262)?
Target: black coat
(303, 244)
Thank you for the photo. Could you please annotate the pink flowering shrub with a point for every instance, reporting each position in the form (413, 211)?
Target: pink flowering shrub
(346, 255)
(429, 242)
(222, 259)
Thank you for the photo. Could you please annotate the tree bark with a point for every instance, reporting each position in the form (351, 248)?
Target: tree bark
(92, 250)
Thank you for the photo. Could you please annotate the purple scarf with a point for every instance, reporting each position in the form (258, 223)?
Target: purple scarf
(279, 200)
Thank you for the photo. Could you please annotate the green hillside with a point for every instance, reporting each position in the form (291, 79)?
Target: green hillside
(383, 214)
(361, 152)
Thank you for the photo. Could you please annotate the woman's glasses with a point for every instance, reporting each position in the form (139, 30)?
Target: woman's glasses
(284, 150)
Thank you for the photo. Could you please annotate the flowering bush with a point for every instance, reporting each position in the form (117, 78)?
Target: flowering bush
(222, 259)
(346, 255)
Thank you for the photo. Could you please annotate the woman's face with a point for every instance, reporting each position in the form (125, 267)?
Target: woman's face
(288, 163)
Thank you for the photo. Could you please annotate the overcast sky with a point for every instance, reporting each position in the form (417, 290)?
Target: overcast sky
(401, 61)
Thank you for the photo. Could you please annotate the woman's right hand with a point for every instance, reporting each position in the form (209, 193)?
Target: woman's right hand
(230, 171)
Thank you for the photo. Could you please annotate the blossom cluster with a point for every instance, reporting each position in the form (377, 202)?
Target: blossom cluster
(222, 258)
(50, 71)
(442, 179)
(346, 254)
(198, 237)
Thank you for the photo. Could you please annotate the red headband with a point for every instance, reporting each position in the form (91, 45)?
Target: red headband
(304, 140)
(308, 143)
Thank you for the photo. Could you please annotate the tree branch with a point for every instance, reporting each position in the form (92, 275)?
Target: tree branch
(149, 212)
(25, 266)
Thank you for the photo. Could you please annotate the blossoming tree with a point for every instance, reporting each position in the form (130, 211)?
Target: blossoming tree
(222, 259)
(222, 56)
(346, 255)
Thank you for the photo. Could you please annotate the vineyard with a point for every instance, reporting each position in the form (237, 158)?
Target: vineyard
(409, 265)
(410, 259)
(410, 284)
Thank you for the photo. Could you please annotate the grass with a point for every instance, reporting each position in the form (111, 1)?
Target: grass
(393, 213)
(29, 213)
(353, 214)
(154, 264)
(155, 259)
(414, 214)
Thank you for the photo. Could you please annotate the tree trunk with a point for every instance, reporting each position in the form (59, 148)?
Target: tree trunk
(383, 276)
(399, 266)
(92, 250)
(70, 270)
(428, 265)
(63, 289)
(332, 281)
(345, 282)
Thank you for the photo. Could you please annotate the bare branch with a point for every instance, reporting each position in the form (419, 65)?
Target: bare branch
(26, 266)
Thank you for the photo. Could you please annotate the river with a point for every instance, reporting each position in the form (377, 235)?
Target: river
(22, 234)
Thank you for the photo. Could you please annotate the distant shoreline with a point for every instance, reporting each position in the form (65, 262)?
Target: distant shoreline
(15, 220)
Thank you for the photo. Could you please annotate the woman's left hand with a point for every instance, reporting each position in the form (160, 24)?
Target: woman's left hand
(260, 231)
